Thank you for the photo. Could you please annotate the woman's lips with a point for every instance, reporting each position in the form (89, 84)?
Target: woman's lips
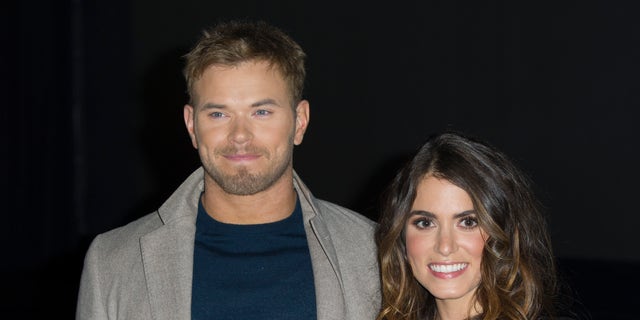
(447, 270)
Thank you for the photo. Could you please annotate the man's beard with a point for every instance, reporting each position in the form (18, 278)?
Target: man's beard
(245, 183)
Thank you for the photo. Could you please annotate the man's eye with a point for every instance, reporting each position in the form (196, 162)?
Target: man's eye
(263, 112)
(216, 114)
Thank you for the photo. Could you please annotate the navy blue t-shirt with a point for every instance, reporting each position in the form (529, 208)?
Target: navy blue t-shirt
(260, 271)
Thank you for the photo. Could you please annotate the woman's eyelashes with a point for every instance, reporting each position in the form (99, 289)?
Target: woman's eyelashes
(423, 221)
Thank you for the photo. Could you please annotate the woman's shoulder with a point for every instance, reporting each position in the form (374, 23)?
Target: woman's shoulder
(563, 317)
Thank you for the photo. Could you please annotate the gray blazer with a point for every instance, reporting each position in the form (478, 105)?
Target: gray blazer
(143, 270)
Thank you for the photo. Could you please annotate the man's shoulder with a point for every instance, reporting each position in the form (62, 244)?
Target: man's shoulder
(178, 208)
(332, 213)
(126, 237)
(335, 213)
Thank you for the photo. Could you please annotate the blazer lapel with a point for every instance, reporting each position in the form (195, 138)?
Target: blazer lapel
(167, 255)
(326, 273)
(326, 270)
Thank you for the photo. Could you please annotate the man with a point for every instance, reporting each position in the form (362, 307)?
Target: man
(242, 237)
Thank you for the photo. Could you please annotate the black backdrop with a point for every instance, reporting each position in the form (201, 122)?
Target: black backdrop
(92, 133)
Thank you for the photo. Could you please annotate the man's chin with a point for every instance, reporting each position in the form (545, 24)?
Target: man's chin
(242, 183)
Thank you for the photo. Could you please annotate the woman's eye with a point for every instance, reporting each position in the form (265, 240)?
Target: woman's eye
(422, 223)
(469, 222)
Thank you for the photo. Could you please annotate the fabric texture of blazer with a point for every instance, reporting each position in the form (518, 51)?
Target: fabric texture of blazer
(144, 269)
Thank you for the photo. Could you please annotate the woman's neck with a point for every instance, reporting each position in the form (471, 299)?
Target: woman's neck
(458, 309)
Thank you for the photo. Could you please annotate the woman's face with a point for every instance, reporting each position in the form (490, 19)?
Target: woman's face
(444, 242)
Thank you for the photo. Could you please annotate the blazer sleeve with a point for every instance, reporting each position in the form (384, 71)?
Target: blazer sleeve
(90, 304)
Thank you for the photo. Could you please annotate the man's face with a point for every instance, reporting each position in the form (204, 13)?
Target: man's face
(244, 126)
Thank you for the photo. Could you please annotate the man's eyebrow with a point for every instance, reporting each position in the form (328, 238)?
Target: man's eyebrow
(209, 105)
(265, 102)
(256, 104)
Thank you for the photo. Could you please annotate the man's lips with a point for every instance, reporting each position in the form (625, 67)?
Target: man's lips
(241, 157)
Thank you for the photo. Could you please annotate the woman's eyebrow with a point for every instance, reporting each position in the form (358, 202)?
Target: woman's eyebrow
(422, 213)
(431, 215)
(464, 214)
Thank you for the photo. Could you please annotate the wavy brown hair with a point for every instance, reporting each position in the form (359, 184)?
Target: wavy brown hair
(518, 276)
(234, 42)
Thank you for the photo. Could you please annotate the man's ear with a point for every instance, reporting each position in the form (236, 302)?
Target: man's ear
(189, 123)
(302, 121)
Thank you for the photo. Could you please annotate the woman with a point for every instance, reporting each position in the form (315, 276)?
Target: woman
(461, 236)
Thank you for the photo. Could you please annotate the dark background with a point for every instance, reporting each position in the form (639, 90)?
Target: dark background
(93, 137)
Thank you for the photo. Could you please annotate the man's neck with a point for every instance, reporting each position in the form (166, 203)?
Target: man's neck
(273, 204)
